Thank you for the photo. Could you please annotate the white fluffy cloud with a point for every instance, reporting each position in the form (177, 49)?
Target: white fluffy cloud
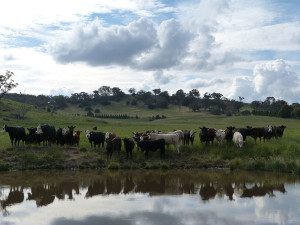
(274, 78)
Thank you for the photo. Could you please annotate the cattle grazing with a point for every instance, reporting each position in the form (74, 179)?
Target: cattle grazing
(258, 132)
(268, 133)
(47, 133)
(170, 139)
(278, 131)
(110, 135)
(152, 145)
(113, 145)
(244, 131)
(16, 134)
(76, 137)
(180, 134)
(95, 138)
(238, 139)
(68, 135)
(207, 135)
(129, 146)
(220, 136)
(59, 137)
(189, 136)
(32, 137)
(229, 133)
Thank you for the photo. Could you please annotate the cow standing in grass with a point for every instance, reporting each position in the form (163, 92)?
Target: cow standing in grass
(76, 137)
(113, 145)
(220, 136)
(16, 134)
(95, 138)
(238, 139)
(189, 136)
(129, 146)
(47, 133)
(207, 135)
(152, 145)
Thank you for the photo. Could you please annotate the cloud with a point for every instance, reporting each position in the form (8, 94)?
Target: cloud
(201, 83)
(98, 46)
(274, 78)
(161, 78)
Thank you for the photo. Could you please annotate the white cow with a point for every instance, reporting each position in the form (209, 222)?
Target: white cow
(170, 139)
(238, 139)
(220, 136)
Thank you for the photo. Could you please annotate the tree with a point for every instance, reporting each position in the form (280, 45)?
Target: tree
(180, 95)
(285, 111)
(6, 83)
(105, 91)
(132, 91)
(194, 93)
(156, 91)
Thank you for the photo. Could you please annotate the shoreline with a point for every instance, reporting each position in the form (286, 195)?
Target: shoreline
(72, 158)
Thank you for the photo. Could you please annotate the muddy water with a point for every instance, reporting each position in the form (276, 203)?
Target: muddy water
(148, 197)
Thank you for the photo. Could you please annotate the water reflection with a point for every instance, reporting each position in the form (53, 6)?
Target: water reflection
(215, 187)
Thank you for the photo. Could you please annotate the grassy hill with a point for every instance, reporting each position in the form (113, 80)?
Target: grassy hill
(279, 155)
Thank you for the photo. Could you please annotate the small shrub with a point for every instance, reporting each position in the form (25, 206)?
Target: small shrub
(164, 166)
(4, 167)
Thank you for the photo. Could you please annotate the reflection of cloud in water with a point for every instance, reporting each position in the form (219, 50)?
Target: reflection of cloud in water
(149, 218)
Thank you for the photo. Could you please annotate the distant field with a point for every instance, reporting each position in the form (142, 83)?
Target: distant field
(287, 148)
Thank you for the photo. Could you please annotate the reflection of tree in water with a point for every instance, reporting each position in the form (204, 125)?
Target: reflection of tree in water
(15, 196)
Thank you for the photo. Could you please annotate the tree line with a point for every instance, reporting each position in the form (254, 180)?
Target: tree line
(214, 103)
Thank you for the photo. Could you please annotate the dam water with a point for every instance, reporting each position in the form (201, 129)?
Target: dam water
(148, 197)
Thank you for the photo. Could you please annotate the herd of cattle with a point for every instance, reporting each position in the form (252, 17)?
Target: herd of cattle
(146, 141)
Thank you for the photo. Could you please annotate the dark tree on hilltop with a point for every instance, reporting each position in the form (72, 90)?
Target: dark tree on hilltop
(6, 83)
(180, 95)
(105, 91)
(156, 91)
(132, 91)
(194, 93)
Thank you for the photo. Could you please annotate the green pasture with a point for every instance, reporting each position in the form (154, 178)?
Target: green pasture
(284, 150)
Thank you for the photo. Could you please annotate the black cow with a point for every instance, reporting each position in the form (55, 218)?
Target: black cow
(244, 131)
(189, 136)
(229, 133)
(129, 146)
(113, 145)
(95, 138)
(68, 135)
(47, 133)
(207, 134)
(278, 131)
(15, 134)
(152, 145)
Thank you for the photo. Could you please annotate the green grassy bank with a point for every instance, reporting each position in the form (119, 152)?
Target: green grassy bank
(280, 155)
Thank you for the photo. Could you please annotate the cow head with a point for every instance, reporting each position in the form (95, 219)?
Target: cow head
(192, 134)
(107, 135)
(39, 129)
(77, 133)
(269, 129)
(71, 128)
(282, 127)
(231, 128)
(4, 129)
(32, 130)
(88, 133)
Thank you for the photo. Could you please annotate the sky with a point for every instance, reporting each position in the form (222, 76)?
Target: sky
(235, 47)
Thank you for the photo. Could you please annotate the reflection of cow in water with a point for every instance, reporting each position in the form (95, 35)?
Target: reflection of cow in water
(152, 186)
(128, 184)
(15, 196)
(113, 186)
(96, 188)
(260, 191)
(42, 194)
(66, 188)
(207, 191)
